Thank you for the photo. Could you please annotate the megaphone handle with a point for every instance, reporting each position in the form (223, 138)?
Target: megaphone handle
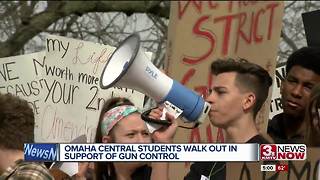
(145, 117)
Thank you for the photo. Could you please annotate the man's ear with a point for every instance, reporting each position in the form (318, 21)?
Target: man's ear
(106, 139)
(249, 101)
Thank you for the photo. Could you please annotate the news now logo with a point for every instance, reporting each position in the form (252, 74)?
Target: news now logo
(40, 152)
(283, 152)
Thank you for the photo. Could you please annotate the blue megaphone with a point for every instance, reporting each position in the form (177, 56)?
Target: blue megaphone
(129, 67)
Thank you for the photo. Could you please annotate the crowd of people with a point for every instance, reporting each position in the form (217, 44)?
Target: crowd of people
(239, 90)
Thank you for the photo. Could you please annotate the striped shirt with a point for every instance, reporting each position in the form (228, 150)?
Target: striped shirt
(26, 170)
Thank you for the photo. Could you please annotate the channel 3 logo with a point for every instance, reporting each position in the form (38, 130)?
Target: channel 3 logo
(268, 152)
(283, 152)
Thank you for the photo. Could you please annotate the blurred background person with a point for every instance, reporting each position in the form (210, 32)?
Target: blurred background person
(16, 128)
(312, 118)
(59, 174)
(302, 73)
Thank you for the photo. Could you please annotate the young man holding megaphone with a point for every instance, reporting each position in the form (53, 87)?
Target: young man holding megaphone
(239, 90)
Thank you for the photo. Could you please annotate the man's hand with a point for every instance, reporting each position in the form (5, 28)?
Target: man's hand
(166, 133)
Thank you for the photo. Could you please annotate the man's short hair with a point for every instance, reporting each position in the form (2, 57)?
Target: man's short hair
(306, 57)
(249, 76)
(16, 122)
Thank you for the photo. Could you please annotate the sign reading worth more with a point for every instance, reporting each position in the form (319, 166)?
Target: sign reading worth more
(72, 105)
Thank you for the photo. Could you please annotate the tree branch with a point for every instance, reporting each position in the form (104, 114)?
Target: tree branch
(289, 5)
(288, 41)
(57, 9)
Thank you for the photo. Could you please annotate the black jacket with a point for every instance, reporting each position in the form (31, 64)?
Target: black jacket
(215, 170)
(276, 129)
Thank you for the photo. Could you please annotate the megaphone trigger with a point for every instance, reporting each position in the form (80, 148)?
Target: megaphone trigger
(171, 109)
(145, 117)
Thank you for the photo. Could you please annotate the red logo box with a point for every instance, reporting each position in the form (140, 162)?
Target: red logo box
(268, 152)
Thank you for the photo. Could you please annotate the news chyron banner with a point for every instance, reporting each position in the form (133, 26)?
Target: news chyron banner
(141, 152)
(164, 152)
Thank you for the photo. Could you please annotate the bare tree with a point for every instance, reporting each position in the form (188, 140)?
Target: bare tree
(24, 23)
(293, 35)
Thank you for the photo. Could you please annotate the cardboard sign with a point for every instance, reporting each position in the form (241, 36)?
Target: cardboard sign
(202, 31)
(72, 104)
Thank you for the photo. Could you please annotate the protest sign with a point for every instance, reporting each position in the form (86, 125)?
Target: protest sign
(73, 102)
(275, 105)
(202, 31)
(19, 77)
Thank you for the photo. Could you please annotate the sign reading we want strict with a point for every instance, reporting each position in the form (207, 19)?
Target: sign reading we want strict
(201, 32)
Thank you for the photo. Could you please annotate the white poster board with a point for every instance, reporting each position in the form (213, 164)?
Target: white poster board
(72, 105)
(275, 105)
(19, 77)
(62, 86)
